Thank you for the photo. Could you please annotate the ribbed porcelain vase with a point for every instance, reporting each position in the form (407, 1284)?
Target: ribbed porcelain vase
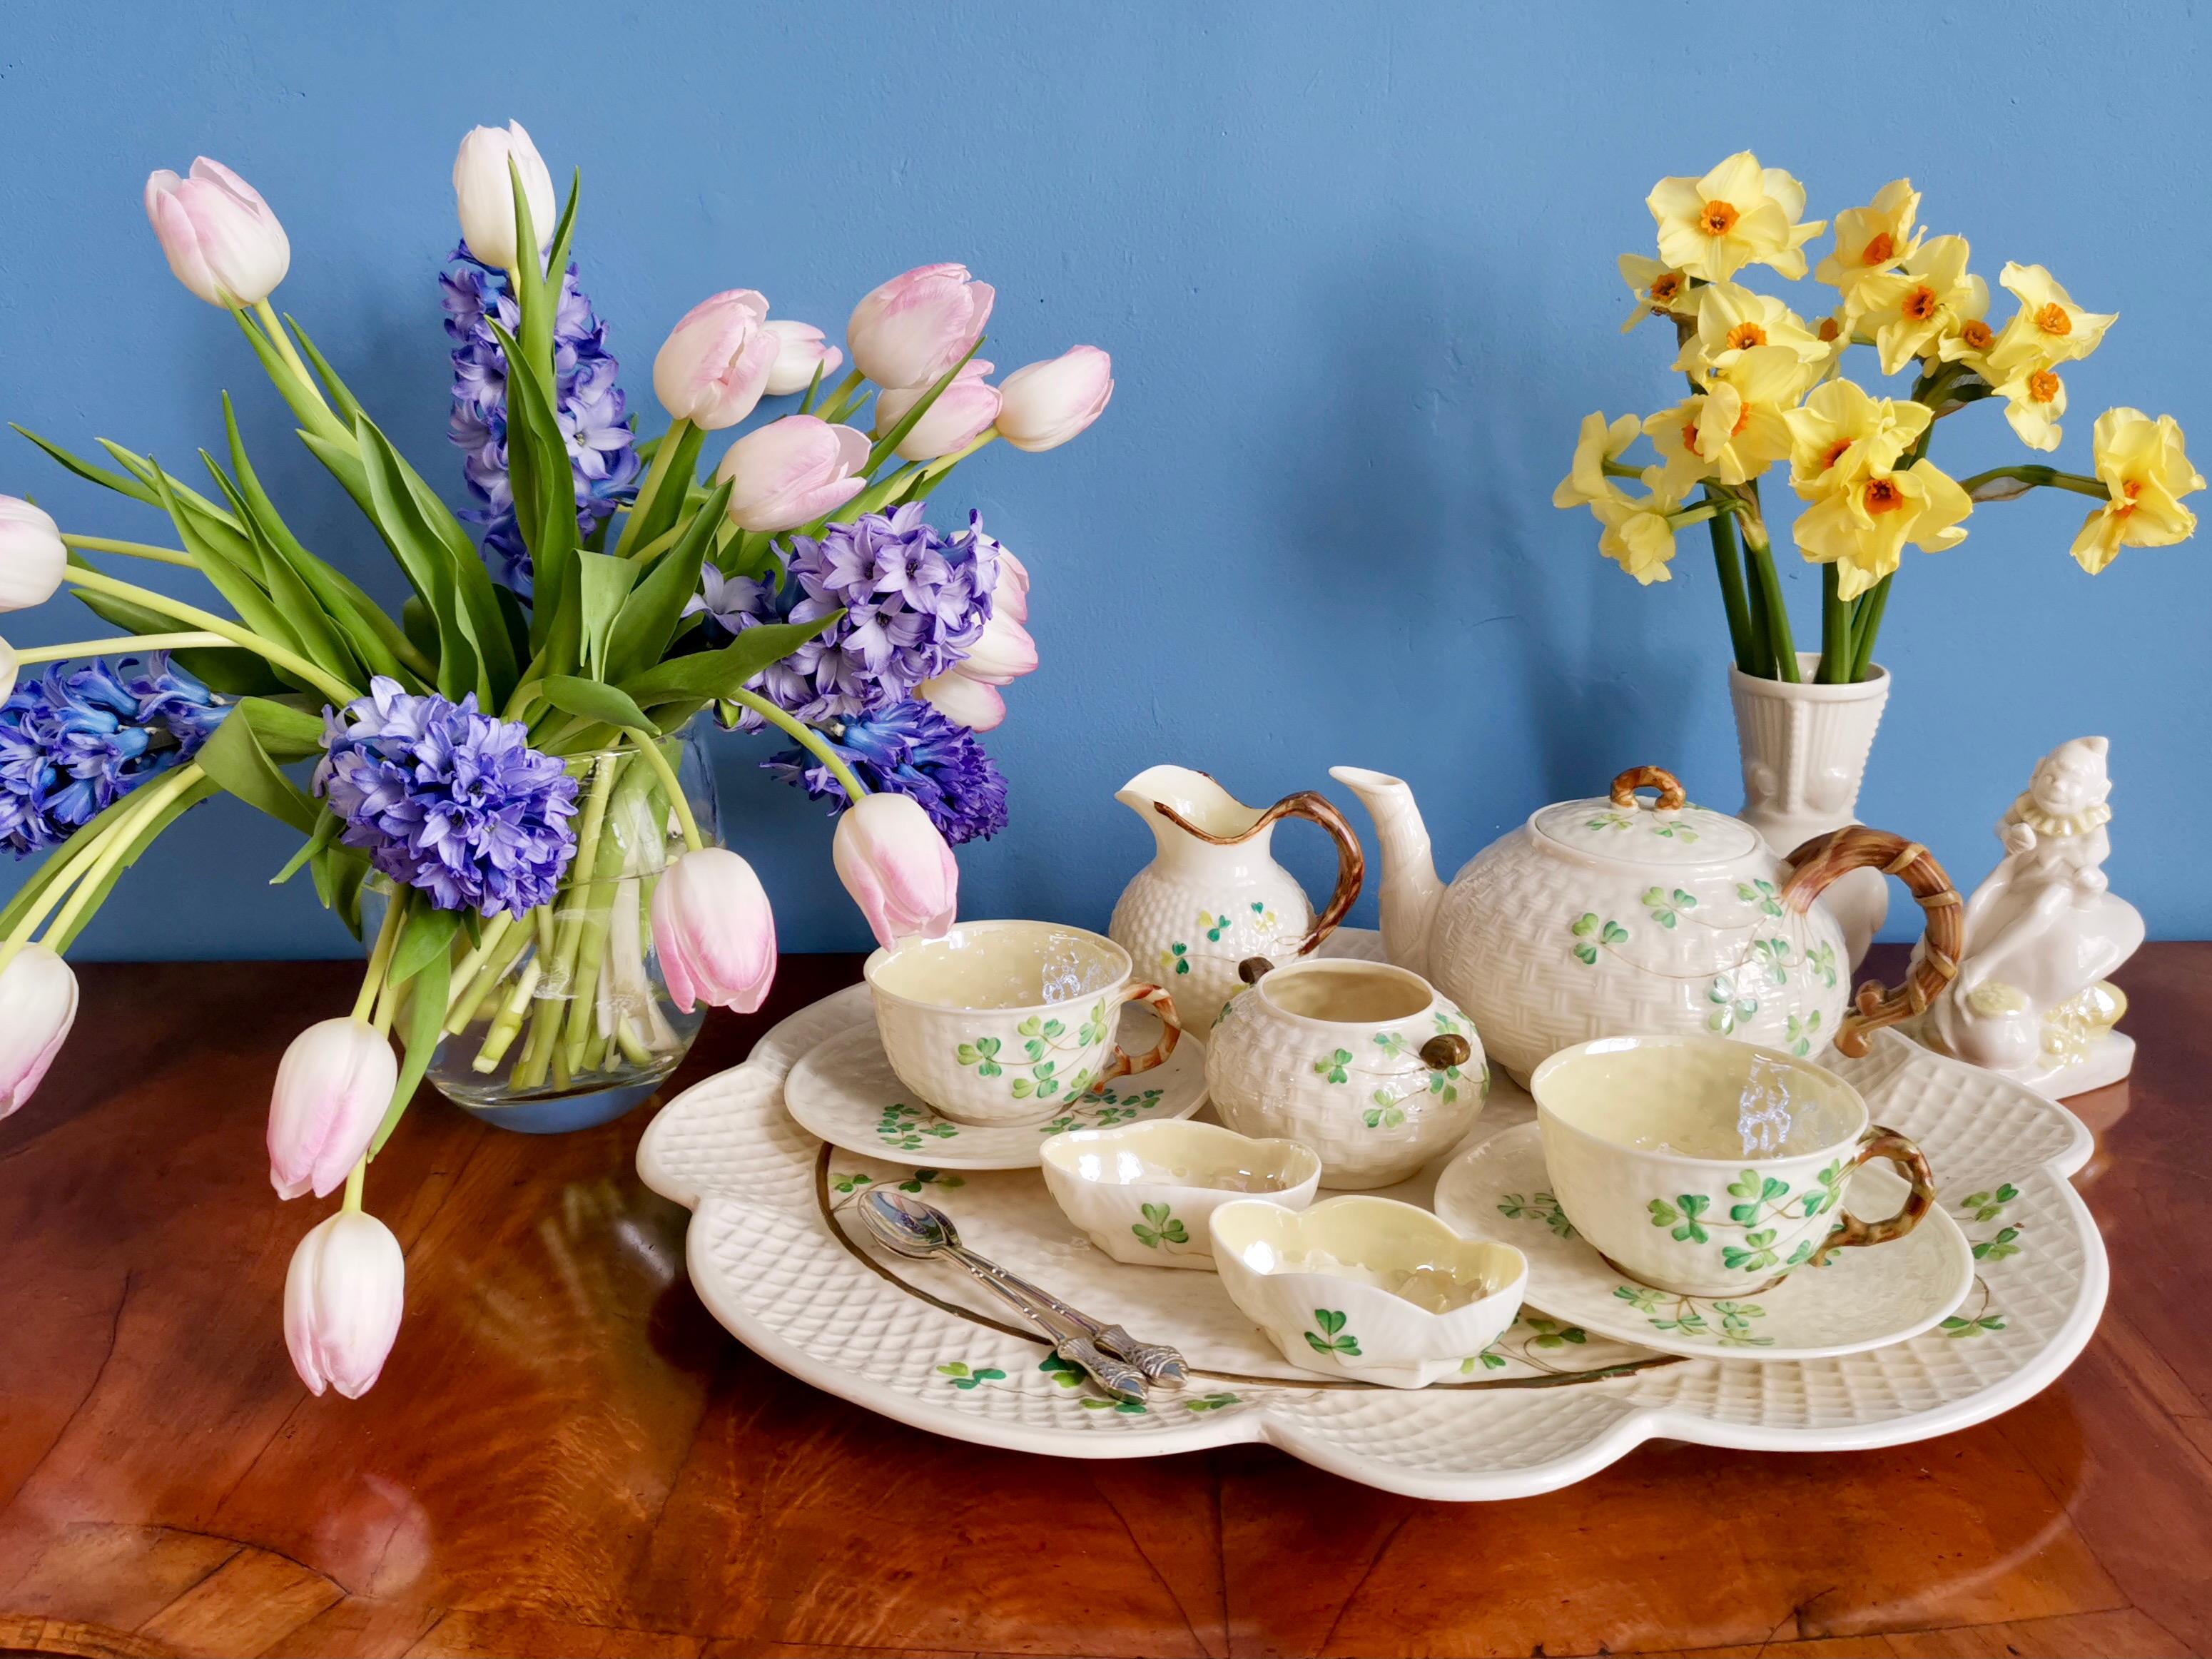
(1804, 747)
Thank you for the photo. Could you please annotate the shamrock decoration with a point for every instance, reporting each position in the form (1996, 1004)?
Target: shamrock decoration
(1332, 1337)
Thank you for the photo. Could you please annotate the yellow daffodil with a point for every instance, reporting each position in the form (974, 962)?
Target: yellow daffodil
(1840, 435)
(1658, 286)
(1910, 312)
(2034, 400)
(1740, 214)
(1862, 525)
(1674, 434)
(1637, 536)
(2049, 327)
(2141, 461)
(1872, 242)
(1586, 483)
(1743, 426)
(1732, 320)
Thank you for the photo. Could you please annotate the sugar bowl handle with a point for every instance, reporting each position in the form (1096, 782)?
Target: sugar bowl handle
(1671, 797)
(1825, 858)
(1351, 862)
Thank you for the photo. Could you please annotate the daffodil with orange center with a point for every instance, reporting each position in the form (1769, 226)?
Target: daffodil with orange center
(1840, 434)
(1586, 483)
(1872, 242)
(1743, 421)
(1911, 311)
(1674, 434)
(2049, 328)
(1658, 287)
(1637, 536)
(1732, 320)
(2034, 400)
(1740, 214)
(2142, 463)
(1862, 525)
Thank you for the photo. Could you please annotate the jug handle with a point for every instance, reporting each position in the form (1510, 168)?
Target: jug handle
(1351, 862)
(1823, 859)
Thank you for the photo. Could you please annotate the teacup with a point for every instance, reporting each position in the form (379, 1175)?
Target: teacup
(1710, 1166)
(1146, 1192)
(1001, 1023)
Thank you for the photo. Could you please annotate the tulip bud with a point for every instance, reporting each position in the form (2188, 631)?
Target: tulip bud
(332, 1090)
(484, 192)
(714, 931)
(1009, 594)
(38, 1004)
(1003, 653)
(964, 412)
(222, 241)
(896, 866)
(800, 353)
(791, 470)
(32, 557)
(962, 701)
(343, 1295)
(1044, 405)
(911, 330)
(715, 363)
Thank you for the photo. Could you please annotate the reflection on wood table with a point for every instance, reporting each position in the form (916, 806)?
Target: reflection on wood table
(567, 1454)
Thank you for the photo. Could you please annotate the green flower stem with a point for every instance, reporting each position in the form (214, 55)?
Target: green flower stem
(117, 842)
(836, 405)
(463, 978)
(1871, 606)
(380, 958)
(2032, 475)
(545, 1022)
(650, 749)
(1722, 529)
(506, 1025)
(328, 684)
(388, 994)
(357, 1179)
(280, 337)
(131, 549)
(513, 941)
(38, 653)
(1761, 561)
(664, 457)
(808, 737)
(1837, 655)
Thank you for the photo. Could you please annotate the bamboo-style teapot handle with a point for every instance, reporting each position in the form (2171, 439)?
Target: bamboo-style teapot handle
(1671, 797)
(1824, 860)
(1351, 862)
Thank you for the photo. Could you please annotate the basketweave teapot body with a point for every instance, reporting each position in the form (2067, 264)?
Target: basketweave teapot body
(1616, 915)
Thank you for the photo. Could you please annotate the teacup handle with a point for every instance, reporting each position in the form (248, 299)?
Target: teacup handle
(1912, 1164)
(1825, 858)
(1351, 862)
(1170, 1033)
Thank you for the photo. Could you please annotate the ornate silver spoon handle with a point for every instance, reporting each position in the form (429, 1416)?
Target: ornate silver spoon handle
(1157, 1361)
(1069, 1340)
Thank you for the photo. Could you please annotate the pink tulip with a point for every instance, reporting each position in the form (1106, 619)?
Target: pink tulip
(1003, 653)
(714, 931)
(911, 330)
(799, 352)
(222, 242)
(32, 560)
(1043, 405)
(791, 470)
(963, 413)
(484, 193)
(343, 1295)
(896, 866)
(1010, 596)
(714, 365)
(963, 701)
(332, 1090)
(37, 1005)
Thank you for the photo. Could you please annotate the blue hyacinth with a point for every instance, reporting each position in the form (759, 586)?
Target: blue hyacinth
(448, 801)
(909, 749)
(602, 453)
(75, 741)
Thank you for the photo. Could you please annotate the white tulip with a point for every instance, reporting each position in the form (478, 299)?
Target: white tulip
(343, 1295)
(222, 241)
(37, 1005)
(484, 192)
(32, 560)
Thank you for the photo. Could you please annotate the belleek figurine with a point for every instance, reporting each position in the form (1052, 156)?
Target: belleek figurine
(2032, 999)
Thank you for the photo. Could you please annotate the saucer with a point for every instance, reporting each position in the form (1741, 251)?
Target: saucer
(1865, 1298)
(845, 1091)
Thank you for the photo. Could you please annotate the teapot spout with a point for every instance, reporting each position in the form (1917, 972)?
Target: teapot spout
(1411, 886)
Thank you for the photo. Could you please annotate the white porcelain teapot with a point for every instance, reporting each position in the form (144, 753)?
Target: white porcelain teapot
(1617, 915)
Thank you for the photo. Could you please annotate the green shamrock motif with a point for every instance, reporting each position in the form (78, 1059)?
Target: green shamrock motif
(1159, 1227)
(1732, 1008)
(1987, 1206)
(1826, 1188)
(1772, 955)
(1332, 1065)
(1756, 1252)
(1539, 1206)
(1642, 1297)
(920, 1178)
(982, 1053)
(1594, 933)
(1754, 1194)
(1674, 831)
(1064, 1372)
(1761, 894)
(1666, 907)
(1958, 1325)
(847, 1184)
(1212, 1402)
(963, 1379)
(1820, 961)
(1682, 1216)
(1331, 1338)
(1176, 957)
(1386, 1113)
(1215, 925)
(904, 1127)
(1551, 1333)
(1999, 1247)
(1611, 820)
(1489, 1359)
(1124, 1407)
(1798, 1034)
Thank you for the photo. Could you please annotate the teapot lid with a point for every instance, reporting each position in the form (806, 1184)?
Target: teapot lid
(1669, 831)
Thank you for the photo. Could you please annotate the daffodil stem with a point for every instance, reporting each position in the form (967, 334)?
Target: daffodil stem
(808, 739)
(651, 750)
(2032, 476)
(1769, 592)
(1836, 656)
(131, 549)
(1721, 528)
(1868, 625)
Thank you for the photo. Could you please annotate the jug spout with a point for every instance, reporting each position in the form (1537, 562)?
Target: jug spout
(1411, 886)
(1195, 796)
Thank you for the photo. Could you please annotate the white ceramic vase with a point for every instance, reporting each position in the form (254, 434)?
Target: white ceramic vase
(1804, 748)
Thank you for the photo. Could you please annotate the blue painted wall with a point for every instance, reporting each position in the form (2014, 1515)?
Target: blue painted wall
(1355, 265)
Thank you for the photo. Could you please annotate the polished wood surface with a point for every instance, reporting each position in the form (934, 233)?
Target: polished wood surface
(566, 1454)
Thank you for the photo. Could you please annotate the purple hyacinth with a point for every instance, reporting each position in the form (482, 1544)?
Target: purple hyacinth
(75, 741)
(601, 452)
(909, 749)
(915, 601)
(449, 801)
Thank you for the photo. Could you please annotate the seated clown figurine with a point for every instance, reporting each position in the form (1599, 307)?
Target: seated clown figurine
(2031, 998)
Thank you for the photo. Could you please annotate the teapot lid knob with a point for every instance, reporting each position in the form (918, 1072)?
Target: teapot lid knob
(1671, 796)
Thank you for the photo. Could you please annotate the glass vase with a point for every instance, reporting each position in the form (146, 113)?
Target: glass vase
(561, 1019)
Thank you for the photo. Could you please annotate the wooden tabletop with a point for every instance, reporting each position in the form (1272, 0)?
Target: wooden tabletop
(566, 1454)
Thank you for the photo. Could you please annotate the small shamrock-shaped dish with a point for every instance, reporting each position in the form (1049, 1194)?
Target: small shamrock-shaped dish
(1146, 1192)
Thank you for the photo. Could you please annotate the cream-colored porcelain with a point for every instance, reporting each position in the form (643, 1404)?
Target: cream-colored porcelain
(1145, 1193)
(1214, 894)
(1361, 1062)
(1006, 1023)
(1710, 1167)
(2033, 997)
(1593, 918)
(1367, 1287)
